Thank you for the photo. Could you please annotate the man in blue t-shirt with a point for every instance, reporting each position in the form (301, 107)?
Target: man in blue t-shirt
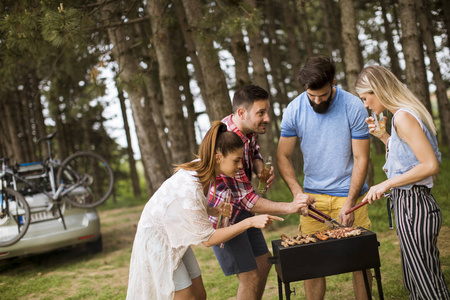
(334, 141)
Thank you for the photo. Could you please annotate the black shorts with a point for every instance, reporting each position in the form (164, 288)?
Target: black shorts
(238, 254)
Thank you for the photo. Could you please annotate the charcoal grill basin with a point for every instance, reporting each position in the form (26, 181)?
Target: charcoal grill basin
(326, 258)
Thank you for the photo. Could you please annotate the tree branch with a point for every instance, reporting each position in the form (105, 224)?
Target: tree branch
(118, 24)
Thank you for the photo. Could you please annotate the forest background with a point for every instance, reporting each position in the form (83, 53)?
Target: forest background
(175, 63)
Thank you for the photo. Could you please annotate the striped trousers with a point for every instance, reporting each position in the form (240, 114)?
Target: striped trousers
(419, 219)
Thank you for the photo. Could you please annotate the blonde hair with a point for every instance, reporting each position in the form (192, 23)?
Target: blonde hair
(391, 93)
(216, 140)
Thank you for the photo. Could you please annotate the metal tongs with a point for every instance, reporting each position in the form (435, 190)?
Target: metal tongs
(324, 218)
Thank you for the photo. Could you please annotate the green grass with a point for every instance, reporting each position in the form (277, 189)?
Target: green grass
(67, 275)
(338, 286)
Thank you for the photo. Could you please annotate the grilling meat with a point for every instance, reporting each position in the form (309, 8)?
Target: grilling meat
(336, 233)
(321, 236)
(298, 240)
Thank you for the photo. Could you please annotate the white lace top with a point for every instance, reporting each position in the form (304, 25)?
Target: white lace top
(174, 218)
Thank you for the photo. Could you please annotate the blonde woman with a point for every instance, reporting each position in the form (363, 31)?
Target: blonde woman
(412, 158)
(163, 266)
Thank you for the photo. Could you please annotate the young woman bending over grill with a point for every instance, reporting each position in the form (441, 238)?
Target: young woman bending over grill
(163, 265)
(412, 158)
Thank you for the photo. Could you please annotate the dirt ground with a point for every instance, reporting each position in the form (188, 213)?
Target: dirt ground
(79, 269)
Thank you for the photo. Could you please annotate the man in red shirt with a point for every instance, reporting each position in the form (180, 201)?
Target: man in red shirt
(247, 254)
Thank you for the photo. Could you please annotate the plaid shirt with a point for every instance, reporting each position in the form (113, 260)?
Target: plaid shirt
(238, 189)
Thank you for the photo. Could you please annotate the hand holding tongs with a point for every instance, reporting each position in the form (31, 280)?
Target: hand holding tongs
(386, 195)
(324, 218)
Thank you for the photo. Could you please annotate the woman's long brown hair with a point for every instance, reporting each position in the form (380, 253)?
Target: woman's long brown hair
(216, 140)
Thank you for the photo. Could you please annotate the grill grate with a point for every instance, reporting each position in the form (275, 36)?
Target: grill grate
(325, 258)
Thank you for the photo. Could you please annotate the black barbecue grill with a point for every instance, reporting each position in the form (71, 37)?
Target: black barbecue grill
(325, 258)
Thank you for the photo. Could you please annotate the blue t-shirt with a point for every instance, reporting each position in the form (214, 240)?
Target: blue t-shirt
(326, 140)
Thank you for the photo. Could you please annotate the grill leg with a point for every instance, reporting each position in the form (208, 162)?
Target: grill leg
(378, 278)
(366, 283)
(287, 289)
(280, 288)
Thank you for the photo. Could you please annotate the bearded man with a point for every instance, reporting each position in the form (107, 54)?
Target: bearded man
(334, 141)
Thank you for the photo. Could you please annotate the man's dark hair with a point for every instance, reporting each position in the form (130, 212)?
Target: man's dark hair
(247, 95)
(318, 72)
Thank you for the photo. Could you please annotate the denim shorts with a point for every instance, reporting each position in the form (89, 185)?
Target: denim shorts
(187, 270)
(238, 254)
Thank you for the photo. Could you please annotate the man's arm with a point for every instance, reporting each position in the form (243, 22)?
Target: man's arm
(285, 167)
(298, 205)
(361, 149)
(242, 192)
(286, 146)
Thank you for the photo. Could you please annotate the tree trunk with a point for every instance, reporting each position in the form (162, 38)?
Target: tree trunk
(218, 102)
(5, 140)
(190, 44)
(41, 130)
(5, 146)
(11, 120)
(441, 90)
(183, 78)
(256, 51)
(151, 89)
(153, 157)
(26, 119)
(21, 117)
(274, 57)
(152, 95)
(131, 161)
(352, 61)
(173, 114)
(266, 141)
(446, 18)
(416, 79)
(62, 149)
(241, 59)
(395, 16)
(86, 136)
(334, 15)
(292, 42)
(156, 168)
(305, 30)
(351, 43)
(392, 52)
(327, 24)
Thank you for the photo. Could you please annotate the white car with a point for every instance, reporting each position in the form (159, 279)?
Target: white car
(46, 231)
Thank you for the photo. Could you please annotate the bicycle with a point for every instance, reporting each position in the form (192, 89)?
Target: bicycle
(84, 179)
(14, 213)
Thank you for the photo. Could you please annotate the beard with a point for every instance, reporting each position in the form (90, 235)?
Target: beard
(259, 130)
(323, 106)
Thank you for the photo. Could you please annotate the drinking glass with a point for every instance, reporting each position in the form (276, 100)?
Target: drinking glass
(380, 122)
